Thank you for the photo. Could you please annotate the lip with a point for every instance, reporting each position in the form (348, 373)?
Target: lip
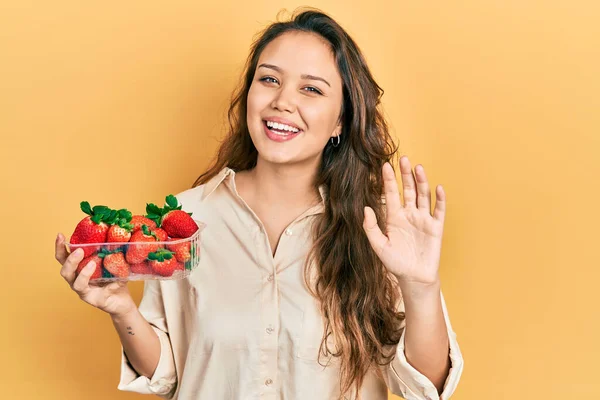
(282, 121)
(278, 138)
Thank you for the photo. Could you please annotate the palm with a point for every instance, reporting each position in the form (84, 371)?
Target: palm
(411, 245)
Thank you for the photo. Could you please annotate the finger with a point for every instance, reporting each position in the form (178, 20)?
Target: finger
(408, 183)
(423, 191)
(376, 238)
(440, 204)
(115, 285)
(392, 194)
(60, 250)
(70, 265)
(82, 283)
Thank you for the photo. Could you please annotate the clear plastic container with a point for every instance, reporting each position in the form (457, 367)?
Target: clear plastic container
(147, 269)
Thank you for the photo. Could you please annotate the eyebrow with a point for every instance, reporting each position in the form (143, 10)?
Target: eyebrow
(305, 76)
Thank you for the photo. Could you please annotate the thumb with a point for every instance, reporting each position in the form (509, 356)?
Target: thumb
(376, 238)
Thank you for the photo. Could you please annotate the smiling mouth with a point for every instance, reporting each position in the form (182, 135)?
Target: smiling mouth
(280, 129)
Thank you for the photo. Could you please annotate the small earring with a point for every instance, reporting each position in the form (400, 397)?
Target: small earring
(338, 141)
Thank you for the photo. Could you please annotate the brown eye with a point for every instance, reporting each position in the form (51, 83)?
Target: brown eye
(313, 89)
(266, 79)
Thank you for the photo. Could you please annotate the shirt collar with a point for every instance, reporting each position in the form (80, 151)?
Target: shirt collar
(215, 181)
(229, 174)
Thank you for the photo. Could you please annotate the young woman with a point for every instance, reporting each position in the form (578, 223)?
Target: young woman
(317, 280)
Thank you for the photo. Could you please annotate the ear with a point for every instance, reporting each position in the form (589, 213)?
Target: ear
(337, 131)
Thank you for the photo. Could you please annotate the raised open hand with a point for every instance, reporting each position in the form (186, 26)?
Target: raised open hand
(411, 246)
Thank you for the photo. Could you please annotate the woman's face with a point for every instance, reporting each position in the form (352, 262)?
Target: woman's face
(298, 88)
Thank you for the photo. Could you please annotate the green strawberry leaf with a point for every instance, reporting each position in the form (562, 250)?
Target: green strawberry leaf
(125, 214)
(85, 207)
(101, 210)
(153, 209)
(168, 256)
(97, 218)
(152, 256)
(172, 201)
(146, 230)
(190, 214)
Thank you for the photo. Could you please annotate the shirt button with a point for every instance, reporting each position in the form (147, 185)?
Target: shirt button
(288, 232)
(270, 278)
(270, 330)
(269, 382)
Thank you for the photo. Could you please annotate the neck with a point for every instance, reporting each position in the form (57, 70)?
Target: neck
(289, 186)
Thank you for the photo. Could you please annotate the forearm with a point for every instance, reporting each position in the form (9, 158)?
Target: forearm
(426, 336)
(140, 342)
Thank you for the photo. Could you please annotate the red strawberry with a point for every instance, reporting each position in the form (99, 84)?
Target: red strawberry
(177, 223)
(161, 234)
(138, 220)
(179, 267)
(163, 263)
(120, 232)
(91, 229)
(137, 253)
(115, 264)
(117, 234)
(97, 272)
(142, 268)
(181, 250)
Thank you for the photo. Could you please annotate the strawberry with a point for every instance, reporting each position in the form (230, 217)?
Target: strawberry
(97, 272)
(181, 250)
(163, 263)
(161, 234)
(106, 274)
(91, 229)
(138, 220)
(115, 264)
(121, 231)
(117, 233)
(141, 269)
(179, 224)
(137, 253)
(171, 218)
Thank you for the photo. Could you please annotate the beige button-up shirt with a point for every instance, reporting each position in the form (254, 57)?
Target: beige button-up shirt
(243, 325)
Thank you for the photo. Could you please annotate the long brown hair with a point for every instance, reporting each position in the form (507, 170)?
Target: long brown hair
(357, 295)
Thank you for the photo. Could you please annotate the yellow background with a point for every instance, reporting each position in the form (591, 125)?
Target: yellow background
(121, 103)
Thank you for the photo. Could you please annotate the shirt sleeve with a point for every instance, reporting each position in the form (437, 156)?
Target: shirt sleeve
(404, 380)
(164, 381)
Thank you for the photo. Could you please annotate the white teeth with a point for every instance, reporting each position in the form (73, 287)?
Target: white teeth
(281, 127)
(280, 134)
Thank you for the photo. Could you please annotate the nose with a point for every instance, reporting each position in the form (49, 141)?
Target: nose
(284, 100)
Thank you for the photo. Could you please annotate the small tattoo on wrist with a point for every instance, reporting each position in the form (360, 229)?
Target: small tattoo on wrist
(129, 331)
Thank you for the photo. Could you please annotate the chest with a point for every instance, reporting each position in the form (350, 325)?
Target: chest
(275, 224)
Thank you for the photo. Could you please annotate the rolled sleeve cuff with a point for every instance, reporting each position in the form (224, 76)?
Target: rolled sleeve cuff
(413, 385)
(164, 380)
